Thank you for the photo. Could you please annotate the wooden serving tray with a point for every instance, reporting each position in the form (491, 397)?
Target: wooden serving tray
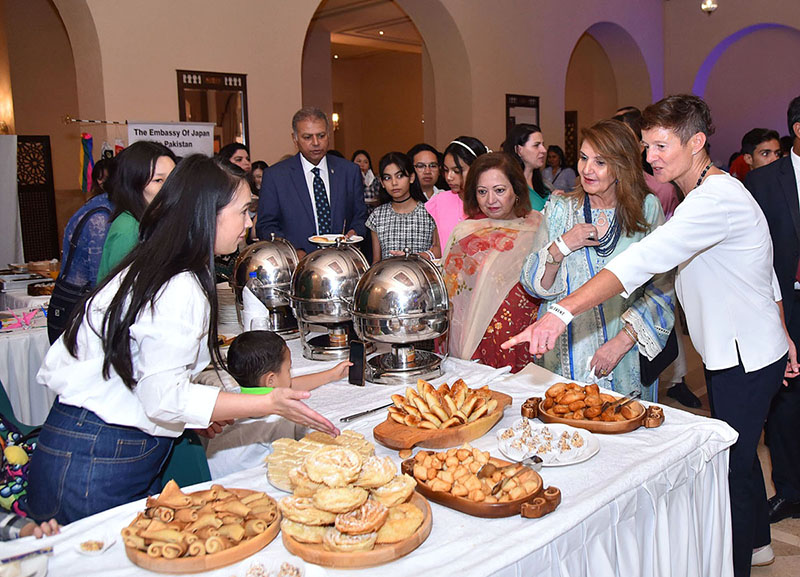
(316, 553)
(208, 562)
(535, 505)
(392, 434)
(649, 418)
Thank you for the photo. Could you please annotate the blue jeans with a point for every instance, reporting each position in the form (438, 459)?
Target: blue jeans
(82, 465)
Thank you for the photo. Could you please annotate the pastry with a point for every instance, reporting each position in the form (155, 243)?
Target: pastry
(335, 540)
(396, 491)
(401, 522)
(303, 510)
(302, 485)
(340, 499)
(375, 472)
(367, 518)
(335, 466)
(303, 533)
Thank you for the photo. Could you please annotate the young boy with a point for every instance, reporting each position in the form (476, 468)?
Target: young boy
(260, 361)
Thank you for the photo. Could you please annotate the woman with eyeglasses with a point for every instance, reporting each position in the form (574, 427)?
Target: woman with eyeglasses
(427, 162)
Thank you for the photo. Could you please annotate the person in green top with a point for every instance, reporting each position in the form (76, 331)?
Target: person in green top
(526, 143)
(141, 170)
(260, 361)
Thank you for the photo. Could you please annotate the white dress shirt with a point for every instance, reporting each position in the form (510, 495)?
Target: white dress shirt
(719, 240)
(323, 173)
(168, 348)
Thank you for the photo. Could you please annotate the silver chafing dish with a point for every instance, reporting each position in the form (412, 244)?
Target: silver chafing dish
(273, 262)
(321, 292)
(401, 301)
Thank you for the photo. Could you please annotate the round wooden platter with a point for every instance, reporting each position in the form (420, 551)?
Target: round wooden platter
(534, 505)
(392, 434)
(208, 562)
(317, 554)
(650, 417)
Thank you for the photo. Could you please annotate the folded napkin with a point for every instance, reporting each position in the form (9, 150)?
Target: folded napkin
(252, 308)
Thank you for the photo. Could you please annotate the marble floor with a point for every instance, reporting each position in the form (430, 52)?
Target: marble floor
(786, 533)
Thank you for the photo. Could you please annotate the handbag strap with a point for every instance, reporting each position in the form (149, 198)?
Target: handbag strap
(76, 234)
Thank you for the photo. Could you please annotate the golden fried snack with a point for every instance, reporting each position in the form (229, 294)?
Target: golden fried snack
(367, 518)
(302, 485)
(401, 522)
(335, 540)
(303, 510)
(396, 491)
(376, 471)
(340, 499)
(303, 533)
(335, 466)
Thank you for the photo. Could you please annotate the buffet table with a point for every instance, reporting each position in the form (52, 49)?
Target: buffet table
(20, 299)
(651, 502)
(22, 352)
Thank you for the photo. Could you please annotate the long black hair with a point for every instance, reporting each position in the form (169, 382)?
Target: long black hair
(518, 136)
(177, 232)
(403, 162)
(465, 149)
(133, 169)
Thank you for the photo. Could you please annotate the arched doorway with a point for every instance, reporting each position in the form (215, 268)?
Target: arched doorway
(606, 71)
(400, 84)
(748, 80)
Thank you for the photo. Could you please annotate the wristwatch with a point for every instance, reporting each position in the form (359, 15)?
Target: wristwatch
(549, 258)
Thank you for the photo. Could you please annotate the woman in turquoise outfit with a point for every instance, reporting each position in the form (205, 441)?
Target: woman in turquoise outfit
(525, 142)
(610, 209)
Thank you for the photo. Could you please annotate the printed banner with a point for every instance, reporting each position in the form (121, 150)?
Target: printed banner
(183, 138)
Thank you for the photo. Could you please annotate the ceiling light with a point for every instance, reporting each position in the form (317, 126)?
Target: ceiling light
(380, 32)
(708, 6)
(336, 57)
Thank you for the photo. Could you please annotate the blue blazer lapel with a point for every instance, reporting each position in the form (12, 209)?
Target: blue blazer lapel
(301, 188)
(789, 188)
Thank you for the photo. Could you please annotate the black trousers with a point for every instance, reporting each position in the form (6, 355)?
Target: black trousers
(782, 426)
(742, 400)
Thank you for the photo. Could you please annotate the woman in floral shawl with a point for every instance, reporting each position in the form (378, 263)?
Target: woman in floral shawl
(483, 260)
(610, 209)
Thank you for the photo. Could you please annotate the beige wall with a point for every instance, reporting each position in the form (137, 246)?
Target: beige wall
(591, 87)
(381, 96)
(317, 74)
(44, 83)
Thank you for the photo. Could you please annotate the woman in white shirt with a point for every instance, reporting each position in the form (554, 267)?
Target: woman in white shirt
(719, 241)
(123, 368)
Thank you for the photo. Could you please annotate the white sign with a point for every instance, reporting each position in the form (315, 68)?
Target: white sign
(182, 138)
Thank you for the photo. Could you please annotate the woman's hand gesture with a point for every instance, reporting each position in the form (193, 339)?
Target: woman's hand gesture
(289, 404)
(541, 335)
(581, 235)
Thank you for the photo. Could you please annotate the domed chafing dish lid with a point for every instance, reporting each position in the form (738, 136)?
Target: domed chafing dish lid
(274, 260)
(401, 286)
(328, 274)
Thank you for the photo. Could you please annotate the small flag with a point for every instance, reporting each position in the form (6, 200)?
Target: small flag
(87, 162)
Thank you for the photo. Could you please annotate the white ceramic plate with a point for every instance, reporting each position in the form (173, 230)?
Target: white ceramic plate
(525, 438)
(271, 564)
(106, 538)
(330, 239)
(32, 567)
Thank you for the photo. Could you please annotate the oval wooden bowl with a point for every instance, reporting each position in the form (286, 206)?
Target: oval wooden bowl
(551, 497)
(392, 434)
(316, 553)
(208, 562)
(649, 417)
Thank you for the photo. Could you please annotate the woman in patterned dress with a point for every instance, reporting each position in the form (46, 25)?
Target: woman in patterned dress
(401, 221)
(610, 208)
(483, 260)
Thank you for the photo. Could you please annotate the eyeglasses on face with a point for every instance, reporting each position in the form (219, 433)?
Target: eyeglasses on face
(429, 166)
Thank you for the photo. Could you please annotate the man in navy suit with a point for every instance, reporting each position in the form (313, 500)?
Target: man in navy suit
(312, 192)
(775, 188)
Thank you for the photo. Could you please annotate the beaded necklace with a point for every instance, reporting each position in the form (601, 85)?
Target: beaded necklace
(609, 240)
(703, 174)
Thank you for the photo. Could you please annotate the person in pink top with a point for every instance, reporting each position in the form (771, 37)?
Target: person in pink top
(447, 207)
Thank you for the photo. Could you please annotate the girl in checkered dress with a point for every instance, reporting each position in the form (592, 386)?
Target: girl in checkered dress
(401, 220)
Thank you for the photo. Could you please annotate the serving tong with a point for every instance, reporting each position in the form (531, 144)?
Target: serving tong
(489, 469)
(619, 403)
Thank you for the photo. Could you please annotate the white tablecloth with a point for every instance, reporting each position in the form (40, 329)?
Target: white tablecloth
(21, 355)
(20, 299)
(651, 502)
